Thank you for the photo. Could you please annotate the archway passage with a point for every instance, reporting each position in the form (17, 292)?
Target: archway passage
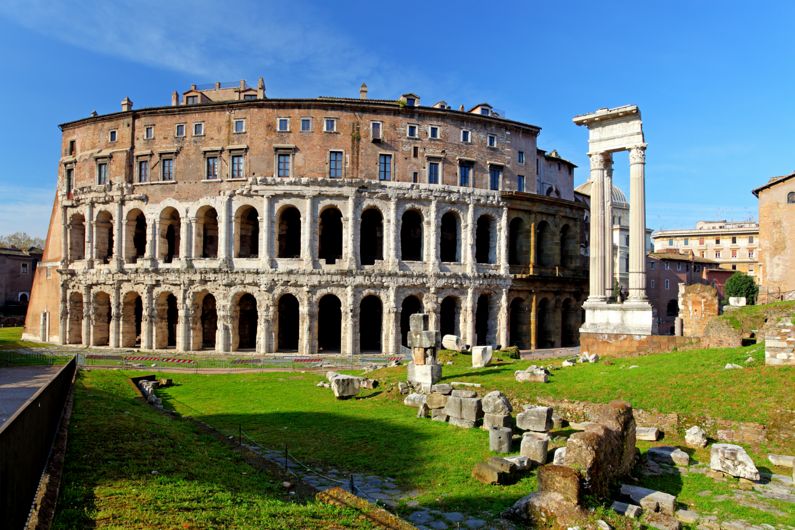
(103, 237)
(448, 240)
(518, 243)
(450, 310)
(482, 321)
(289, 239)
(484, 243)
(411, 305)
(247, 228)
(288, 324)
(75, 332)
(247, 322)
(330, 237)
(169, 235)
(209, 322)
(101, 330)
(544, 336)
(370, 322)
(411, 236)
(672, 308)
(166, 315)
(135, 246)
(329, 324)
(371, 239)
(519, 324)
(77, 237)
(568, 247)
(570, 334)
(132, 317)
(206, 233)
(545, 254)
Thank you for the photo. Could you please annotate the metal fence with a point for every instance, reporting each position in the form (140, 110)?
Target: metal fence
(25, 442)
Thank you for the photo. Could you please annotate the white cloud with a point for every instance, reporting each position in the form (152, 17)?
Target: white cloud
(25, 210)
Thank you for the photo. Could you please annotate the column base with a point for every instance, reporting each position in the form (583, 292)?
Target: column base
(632, 318)
(424, 375)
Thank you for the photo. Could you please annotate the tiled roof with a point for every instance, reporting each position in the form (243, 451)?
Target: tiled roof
(681, 256)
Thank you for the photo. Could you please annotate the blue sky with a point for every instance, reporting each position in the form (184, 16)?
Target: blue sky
(713, 79)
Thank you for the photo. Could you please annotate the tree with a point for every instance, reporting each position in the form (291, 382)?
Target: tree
(740, 284)
(21, 240)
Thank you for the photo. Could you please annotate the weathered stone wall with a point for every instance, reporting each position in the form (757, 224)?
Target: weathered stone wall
(777, 241)
(697, 305)
(780, 342)
(621, 345)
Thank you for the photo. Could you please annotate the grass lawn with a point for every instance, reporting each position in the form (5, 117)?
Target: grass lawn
(128, 466)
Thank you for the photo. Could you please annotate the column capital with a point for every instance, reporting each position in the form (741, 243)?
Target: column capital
(637, 154)
(600, 160)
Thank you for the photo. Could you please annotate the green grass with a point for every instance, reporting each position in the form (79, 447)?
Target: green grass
(128, 466)
(752, 317)
(12, 338)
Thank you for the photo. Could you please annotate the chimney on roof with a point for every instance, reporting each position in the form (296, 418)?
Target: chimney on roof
(174, 98)
(363, 91)
(261, 88)
(242, 84)
(126, 104)
(193, 87)
(461, 108)
(218, 85)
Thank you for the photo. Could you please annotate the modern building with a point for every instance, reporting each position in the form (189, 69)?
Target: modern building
(230, 221)
(733, 245)
(776, 271)
(17, 268)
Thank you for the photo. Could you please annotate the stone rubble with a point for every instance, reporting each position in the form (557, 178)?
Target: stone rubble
(481, 356)
(696, 437)
(732, 460)
(500, 439)
(650, 500)
(531, 374)
(648, 434)
(782, 460)
(496, 471)
(452, 342)
(346, 386)
(627, 510)
(671, 456)
(538, 419)
(535, 446)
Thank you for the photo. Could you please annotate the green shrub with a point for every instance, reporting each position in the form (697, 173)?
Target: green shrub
(740, 284)
(512, 352)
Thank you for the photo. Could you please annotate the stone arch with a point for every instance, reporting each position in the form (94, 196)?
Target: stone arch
(485, 319)
(371, 324)
(103, 236)
(545, 337)
(166, 320)
(244, 321)
(672, 308)
(169, 237)
(74, 333)
(411, 235)
(569, 247)
(329, 324)
(450, 316)
(77, 237)
(132, 310)
(519, 323)
(101, 319)
(518, 242)
(135, 241)
(371, 236)
(791, 197)
(205, 321)
(205, 238)
(485, 239)
(330, 235)
(288, 320)
(545, 250)
(289, 232)
(450, 237)
(570, 316)
(411, 304)
(246, 232)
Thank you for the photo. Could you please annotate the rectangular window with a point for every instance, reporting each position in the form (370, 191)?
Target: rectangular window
(384, 167)
(410, 102)
(717, 254)
(330, 125)
(211, 165)
(180, 130)
(667, 283)
(734, 240)
(520, 157)
(143, 171)
(335, 164)
(283, 125)
(238, 166)
(72, 147)
(306, 124)
(700, 240)
(192, 100)
(198, 129)
(249, 97)
(520, 183)
(411, 130)
(167, 169)
(466, 136)
(491, 140)
(464, 173)
(653, 283)
(24, 268)
(415, 177)
(112, 135)
(239, 126)
(651, 265)
(102, 173)
(433, 172)
(750, 239)
(70, 172)
(678, 266)
(433, 132)
(670, 242)
(667, 266)
(283, 163)
(375, 131)
(717, 241)
(686, 242)
(495, 176)
(750, 253)
(734, 253)
(149, 132)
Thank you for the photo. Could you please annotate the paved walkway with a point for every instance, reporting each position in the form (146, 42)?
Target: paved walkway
(19, 383)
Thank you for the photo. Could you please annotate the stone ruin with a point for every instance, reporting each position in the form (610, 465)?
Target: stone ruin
(424, 369)
(779, 338)
(347, 386)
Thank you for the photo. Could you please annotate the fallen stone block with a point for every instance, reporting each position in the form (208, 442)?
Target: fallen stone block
(671, 456)
(460, 422)
(567, 363)
(627, 510)
(732, 460)
(439, 415)
(496, 471)
(471, 409)
(649, 434)
(414, 400)
(687, 516)
(452, 342)
(731, 366)
(464, 393)
(559, 457)
(522, 463)
(481, 356)
(782, 460)
(497, 420)
(423, 411)
(442, 388)
(523, 376)
(662, 521)
(453, 406)
(534, 446)
(580, 426)
(560, 479)
(549, 508)
(650, 500)
(500, 439)
(403, 387)
(346, 386)
(696, 437)
(538, 419)
(434, 400)
(496, 403)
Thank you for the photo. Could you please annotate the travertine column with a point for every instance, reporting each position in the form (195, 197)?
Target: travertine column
(147, 319)
(392, 314)
(223, 333)
(264, 317)
(468, 331)
(502, 319)
(184, 320)
(393, 231)
(608, 241)
(225, 229)
(637, 223)
(88, 310)
(349, 343)
(185, 240)
(64, 316)
(597, 230)
(308, 252)
(307, 315)
(115, 318)
(118, 237)
(430, 303)
(432, 227)
(265, 252)
(64, 237)
(468, 240)
(350, 228)
(89, 251)
(502, 243)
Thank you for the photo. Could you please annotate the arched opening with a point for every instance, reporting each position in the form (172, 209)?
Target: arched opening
(449, 316)
(545, 252)
(570, 334)
(448, 238)
(135, 245)
(209, 322)
(330, 236)
(167, 315)
(246, 324)
(544, 335)
(75, 332)
(169, 235)
(411, 305)
(329, 324)
(791, 197)
(289, 227)
(484, 329)
(101, 329)
(484, 242)
(672, 309)
(247, 232)
(77, 237)
(519, 324)
(568, 248)
(206, 233)
(22, 298)
(518, 242)
(370, 322)
(288, 324)
(411, 236)
(131, 317)
(103, 237)
(371, 238)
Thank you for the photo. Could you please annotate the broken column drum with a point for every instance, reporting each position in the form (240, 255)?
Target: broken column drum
(423, 370)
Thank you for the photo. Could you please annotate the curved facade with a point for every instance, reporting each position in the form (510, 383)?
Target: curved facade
(232, 222)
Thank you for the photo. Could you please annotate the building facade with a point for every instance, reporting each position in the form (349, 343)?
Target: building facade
(230, 221)
(733, 245)
(777, 238)
(17, 268)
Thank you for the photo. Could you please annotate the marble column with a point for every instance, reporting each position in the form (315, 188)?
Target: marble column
(114, 333)
(350, 228)
(468, 238)
(608, 217)
(432, 241)
(147, 319)
(118, 237)
(225, 229)
(88, 310)
(89, 250)
(597, 230)
(637, 223)
(185, 239)
(265, 251)
(502, 319)
(502, 242)
(308, 250)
